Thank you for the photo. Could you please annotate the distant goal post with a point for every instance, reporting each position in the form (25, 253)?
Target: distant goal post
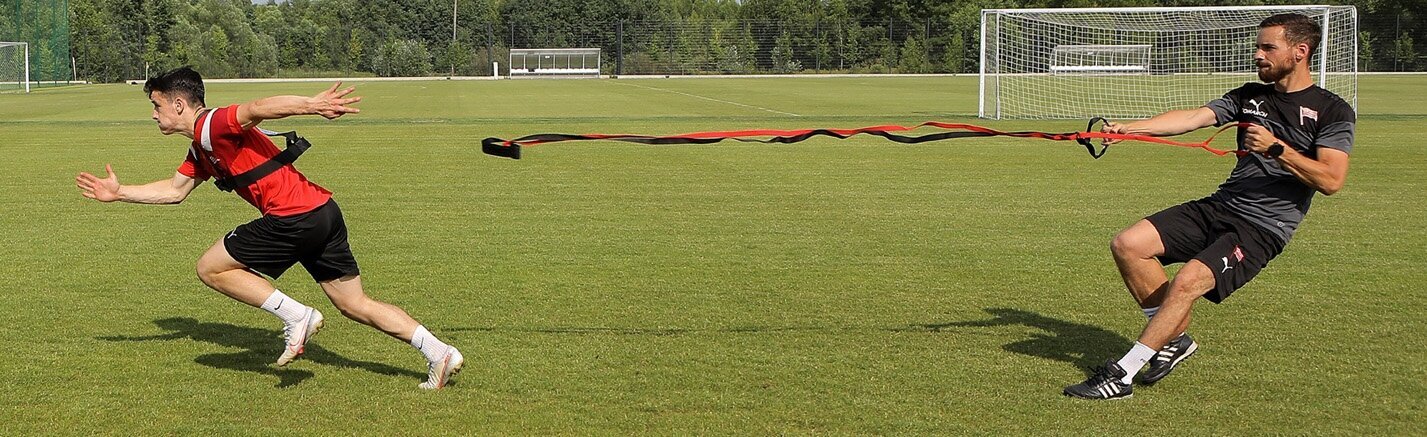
(554, 62)
(15, 65)
(1140, 61)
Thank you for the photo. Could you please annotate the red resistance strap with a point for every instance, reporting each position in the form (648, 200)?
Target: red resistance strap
(511, 148)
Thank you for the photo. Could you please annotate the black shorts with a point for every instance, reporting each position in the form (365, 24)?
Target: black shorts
(317, 239)
(1231, 246)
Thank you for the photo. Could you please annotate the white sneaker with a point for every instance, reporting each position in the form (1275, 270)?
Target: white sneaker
(297, 335)
(439, 373)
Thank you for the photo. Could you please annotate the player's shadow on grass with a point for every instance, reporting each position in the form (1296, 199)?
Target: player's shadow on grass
(1083, 345)
(260, 348)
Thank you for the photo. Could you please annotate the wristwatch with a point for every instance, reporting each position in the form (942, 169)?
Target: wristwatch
(1275, 150)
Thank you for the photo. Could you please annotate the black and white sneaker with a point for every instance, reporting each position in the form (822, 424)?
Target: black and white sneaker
(1104, 383)
(1168, 356)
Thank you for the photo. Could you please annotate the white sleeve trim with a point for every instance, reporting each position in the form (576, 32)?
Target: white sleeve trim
(205, 138)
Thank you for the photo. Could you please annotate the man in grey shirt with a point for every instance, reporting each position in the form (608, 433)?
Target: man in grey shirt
(1298, 144)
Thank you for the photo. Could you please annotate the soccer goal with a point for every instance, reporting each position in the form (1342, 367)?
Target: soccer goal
(580, 62)
(1138, 62)
(14, 66)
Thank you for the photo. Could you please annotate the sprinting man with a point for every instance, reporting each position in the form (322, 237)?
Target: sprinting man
(300, 223)
(1300, 141)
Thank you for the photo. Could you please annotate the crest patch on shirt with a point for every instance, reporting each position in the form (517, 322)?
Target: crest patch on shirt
(1304, 112)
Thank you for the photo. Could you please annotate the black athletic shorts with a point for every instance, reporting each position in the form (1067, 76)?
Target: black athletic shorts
(1231, 246)
(317, 239)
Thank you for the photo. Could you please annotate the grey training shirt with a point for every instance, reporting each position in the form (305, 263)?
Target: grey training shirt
(1258, 188)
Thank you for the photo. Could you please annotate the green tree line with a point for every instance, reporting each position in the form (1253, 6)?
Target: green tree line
(111, 40)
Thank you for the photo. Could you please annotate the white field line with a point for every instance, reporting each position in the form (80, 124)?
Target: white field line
(336, 79)
(711, 99)
(649, 76)
(628, 76)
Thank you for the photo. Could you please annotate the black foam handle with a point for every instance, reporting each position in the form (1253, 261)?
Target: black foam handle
(497, 147)
(1090, 147)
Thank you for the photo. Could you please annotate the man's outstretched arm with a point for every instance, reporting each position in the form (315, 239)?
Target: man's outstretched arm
(331, 103)
(1167, 124)
(158, 192)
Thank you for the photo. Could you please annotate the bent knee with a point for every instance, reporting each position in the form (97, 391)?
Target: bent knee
(1139, 241)
(1189, 290)
(206, 271)
(202, 275)
(356, 308)
(1192, 281)
(210, 266)
(1131, 245)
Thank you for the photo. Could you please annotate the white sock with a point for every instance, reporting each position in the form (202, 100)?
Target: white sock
(1150, 312)
(1133, 361)
(285, 308)
(429, 346)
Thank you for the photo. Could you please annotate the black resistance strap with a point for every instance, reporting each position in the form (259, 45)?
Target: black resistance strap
(295, 146)
(511, 148)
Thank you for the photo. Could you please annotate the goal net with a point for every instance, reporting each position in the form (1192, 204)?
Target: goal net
(1138, 62)
(579, 62)
(34, 40)
(14, 67)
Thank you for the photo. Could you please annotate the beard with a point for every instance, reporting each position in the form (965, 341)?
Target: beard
(1274, 73)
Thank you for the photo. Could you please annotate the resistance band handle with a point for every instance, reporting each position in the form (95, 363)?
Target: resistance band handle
(497, 147)
(1090, 147)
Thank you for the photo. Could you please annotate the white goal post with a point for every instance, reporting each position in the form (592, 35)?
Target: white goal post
(12, 69)
(1138, 62)
(562, 62)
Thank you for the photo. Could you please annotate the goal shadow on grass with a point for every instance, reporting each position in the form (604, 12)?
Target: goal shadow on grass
(1080, 344)
(260, 348)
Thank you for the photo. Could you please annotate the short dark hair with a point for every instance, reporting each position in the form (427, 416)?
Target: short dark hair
(1298, 29)
(179, 81)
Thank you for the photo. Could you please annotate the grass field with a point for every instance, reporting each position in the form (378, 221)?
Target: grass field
(827, 287)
